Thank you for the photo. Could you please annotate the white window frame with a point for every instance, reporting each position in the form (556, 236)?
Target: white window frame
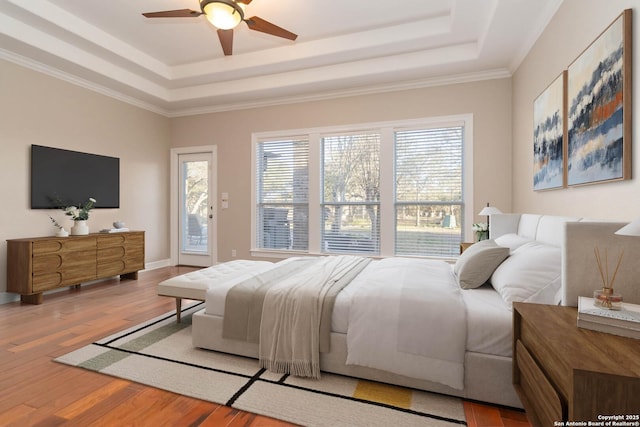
(387, 199)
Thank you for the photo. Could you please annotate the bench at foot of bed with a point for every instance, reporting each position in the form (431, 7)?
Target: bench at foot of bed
(194, 285)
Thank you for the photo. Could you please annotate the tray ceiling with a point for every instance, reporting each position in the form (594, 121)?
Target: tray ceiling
(177, 67)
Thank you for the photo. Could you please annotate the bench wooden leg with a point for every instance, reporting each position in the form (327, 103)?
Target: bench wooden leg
(178, 309)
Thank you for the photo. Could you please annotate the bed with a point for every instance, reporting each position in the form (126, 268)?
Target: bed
(522, 262)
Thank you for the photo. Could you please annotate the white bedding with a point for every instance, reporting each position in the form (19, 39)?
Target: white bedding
(416, 327)
(489, 319)
(489, 322)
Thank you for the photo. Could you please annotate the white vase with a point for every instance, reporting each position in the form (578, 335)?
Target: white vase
(80, 228)
(62, 233)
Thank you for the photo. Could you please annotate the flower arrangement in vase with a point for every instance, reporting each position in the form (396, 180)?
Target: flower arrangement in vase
(482, 230)
(79, 214)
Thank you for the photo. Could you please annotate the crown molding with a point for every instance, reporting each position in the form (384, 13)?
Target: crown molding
(319, 96)
(86, 84)
(369, 90)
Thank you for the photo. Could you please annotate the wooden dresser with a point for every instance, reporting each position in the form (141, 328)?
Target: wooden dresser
(40, 264)
(565, 373)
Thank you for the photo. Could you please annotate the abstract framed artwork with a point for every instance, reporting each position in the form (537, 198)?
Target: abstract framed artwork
(549, 134)
(599, 108)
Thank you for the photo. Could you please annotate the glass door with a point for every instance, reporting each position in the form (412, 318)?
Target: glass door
(196, 213)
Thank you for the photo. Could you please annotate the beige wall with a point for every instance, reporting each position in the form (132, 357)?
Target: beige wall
(576, 24)
(38, 109)
(488, 101)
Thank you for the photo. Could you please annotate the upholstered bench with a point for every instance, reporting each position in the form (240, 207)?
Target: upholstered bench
(194, 285)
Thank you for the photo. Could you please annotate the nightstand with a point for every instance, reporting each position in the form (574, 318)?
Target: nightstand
(565, 373)
(464, 246)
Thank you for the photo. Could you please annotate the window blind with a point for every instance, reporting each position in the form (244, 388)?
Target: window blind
(350, 205)
(282, 193)
(428, 193)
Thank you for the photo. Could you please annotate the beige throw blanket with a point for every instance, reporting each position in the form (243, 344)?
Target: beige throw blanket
(244, 301)
(293, 309)
(288, 310)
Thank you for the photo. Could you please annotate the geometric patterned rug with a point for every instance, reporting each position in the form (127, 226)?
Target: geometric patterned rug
(159, 353)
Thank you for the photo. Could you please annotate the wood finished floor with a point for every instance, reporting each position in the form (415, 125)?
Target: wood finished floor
(35, 391)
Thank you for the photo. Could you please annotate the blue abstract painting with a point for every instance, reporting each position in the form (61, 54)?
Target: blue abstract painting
(548, 137)
(596, 130)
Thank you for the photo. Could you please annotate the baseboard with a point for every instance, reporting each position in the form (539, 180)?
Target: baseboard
(6, 297)
(157, 264)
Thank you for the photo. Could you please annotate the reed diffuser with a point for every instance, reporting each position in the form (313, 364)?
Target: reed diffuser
(606, 297)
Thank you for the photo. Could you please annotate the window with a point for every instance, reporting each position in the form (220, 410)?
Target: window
(351, 193)
(381, 189)
(282, 189)
(428, 202)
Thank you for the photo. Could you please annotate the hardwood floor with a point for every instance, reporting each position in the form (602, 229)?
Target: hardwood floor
(35, 391)
(480, 415)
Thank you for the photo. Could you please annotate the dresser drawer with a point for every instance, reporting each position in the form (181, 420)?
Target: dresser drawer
(113, 268)
(109, 240)
(65, 277)
(119, 266)
(47, 281)
(64, 245)
(107, 255)
(548, 406)
(121, 239)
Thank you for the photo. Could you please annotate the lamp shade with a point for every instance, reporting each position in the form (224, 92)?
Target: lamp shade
(489, 210)
(224, 14)
(631, 229)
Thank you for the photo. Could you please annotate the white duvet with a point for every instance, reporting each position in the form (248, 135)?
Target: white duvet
(407, 316)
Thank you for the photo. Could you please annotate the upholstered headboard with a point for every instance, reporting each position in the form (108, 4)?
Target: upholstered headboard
(544, 228)
(577, 238)
(580, 273)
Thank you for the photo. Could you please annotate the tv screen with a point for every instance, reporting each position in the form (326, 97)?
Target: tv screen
(69, 178)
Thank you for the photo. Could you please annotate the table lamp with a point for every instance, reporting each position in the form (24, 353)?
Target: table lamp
(631, 229)
(488, 211)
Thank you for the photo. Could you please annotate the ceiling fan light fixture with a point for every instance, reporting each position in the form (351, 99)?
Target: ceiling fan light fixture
(223, 14)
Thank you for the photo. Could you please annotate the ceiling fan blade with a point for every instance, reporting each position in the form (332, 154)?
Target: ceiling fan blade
(180, 13)
(243, 1)
(226, 40)
(259, 24)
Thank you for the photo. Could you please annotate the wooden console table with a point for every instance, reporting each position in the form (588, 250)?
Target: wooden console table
(565, 373)
(40, 264)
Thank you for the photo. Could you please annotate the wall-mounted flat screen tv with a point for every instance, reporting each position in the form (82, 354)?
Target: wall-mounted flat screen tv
(69, 178)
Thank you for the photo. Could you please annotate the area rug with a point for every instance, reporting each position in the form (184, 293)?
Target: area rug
(159, 353)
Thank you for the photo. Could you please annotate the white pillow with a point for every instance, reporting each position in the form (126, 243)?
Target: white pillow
(475, 265)
(512, 240)
(531, 274)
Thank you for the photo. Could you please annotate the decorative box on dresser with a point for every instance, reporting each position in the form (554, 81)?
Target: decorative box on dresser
(565, 373)
(36, 265)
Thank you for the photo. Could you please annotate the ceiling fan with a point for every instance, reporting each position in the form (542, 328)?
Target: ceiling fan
(225, 15)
